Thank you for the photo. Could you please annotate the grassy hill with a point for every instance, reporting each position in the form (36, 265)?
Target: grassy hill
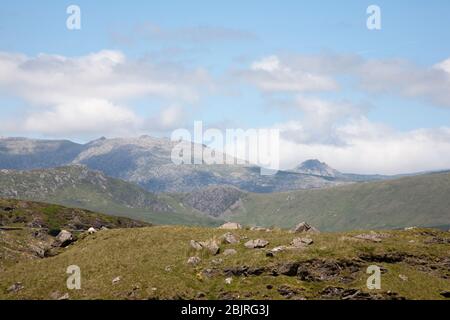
(151, 263)
(78, 186)
(411, 201)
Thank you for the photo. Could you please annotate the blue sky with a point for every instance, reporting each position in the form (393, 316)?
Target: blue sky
(208, 48)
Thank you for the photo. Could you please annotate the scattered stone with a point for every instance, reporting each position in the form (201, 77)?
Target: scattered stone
(256, 244)
(64, 297)
(193, 261)
(410, 228)
(38, 251)
(228, 280)
(231, 226)
(168, 268)
(229, 238)
(16, 287)
(116, 280)
(64, 238)
(301, 242)
(445, 294)
(216, 261)
(91, 230)
(354, 294)
(103, 228)
(369, 237)
(403, 277)
(289, 292)
(229, 252)
(276, 250)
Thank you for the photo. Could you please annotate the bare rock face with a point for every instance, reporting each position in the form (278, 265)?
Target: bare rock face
(256, 244)
(231, 226)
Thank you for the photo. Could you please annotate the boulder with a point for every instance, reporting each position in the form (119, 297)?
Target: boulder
(304, 227)
(301, 242)
(229, 238)
(195, 245)
(64, 238)
(369, 237)
(256, 244)
(211, 245)
(92, 230)
(231, 226)
(229, 252)
(193, 261)
(228, 280)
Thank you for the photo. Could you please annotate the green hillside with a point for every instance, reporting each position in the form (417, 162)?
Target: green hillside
(411, 201)
(152, 263)
(77, 186)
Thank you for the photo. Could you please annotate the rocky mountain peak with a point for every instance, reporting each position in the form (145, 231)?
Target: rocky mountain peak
(316, 167)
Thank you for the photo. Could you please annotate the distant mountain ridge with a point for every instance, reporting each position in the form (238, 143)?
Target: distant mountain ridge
(147, 162)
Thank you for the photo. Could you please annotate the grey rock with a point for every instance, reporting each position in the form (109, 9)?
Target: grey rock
(256, 244)
(230, 226)
(194, 261)
(16, 287)
(229, 238)
(229, 252)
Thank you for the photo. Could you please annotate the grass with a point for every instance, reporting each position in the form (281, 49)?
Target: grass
(412, 201)
(152, 265)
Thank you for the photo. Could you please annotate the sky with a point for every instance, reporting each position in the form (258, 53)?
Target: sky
(364, 101)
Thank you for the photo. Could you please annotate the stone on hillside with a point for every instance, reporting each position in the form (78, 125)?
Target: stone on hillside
(256, 244)
(229, 252)
(64, 297)
(231, 226)
(304, 227)
(193, 261)
(228, 280)
(229, 238)
(92, 230)
(16, 287)
(64, 238)
(369, 237)
(116, 280)
(196, 245)
(211, 245)
(301, 242)
(276, 250)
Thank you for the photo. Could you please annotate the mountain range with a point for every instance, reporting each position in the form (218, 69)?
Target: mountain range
(146, 161)
(135, 177)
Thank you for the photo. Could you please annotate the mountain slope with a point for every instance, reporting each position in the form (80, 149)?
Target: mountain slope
(80, 187)
(411, 201)
(147, 162)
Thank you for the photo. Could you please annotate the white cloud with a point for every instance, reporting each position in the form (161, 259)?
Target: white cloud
(320, 73)
(371, 148)
(270, 74)
(89, 94)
